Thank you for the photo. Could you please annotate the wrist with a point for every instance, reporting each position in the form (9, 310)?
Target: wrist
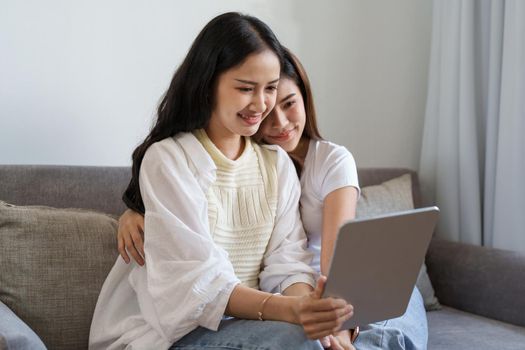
(282, 308)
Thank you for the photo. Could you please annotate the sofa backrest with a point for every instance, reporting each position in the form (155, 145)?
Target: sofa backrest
(87, 187)
(101, 188)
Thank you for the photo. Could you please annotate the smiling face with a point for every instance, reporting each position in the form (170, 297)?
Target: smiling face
(285, 124)
(244, 95)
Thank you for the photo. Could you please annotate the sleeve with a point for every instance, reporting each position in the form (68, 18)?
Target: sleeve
(337, 171)
(188, 278)
(287, 260)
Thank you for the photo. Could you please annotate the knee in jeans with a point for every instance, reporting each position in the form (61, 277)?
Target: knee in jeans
(394, 338)
(285, 336)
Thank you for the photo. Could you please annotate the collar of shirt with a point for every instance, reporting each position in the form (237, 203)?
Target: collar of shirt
(198, 158)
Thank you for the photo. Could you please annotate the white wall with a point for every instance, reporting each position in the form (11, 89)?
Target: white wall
(80, 80)
(368, 62)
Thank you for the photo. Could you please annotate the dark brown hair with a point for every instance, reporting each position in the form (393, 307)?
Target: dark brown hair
(225, 42)
(294, 70)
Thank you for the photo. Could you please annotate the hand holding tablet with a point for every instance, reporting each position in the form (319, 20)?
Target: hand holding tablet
(376, 263)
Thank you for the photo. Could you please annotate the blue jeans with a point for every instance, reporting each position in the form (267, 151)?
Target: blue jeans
(405, 332)
(250, 335)
(409, 331)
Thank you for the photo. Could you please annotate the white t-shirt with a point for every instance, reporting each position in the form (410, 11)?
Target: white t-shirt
(327, 167)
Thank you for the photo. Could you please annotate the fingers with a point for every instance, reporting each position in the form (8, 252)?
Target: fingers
(322, 317)
(327, 316)
(344, 339)
(130, 237)
(130, 247)
(335, 343)
(323, 329)
(319, 289)
(141, 225)
(121, 248)
(325, 342)
(326, 304)
(138, 241)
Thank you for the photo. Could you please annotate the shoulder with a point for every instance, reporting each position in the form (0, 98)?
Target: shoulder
(326, 149)
(170, 152)
(177, 151)
(165, 150)
(325, 154)
(330, 165)
(181, 159)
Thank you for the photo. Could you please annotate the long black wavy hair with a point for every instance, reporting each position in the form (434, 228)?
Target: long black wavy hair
(225, 42)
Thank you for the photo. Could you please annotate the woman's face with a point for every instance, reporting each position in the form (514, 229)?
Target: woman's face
(244, 95)
(285, 124)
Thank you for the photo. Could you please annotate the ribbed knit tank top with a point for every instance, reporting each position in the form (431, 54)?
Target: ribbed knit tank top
(242, 205)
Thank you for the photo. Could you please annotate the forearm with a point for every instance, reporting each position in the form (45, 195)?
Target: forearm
(246, 302)
(338, 207)
(298, 289)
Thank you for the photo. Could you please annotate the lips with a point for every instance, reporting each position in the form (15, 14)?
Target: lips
(283, 135)
(250, 119)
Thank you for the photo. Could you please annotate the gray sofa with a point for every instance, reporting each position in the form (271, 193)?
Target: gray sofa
(482, 290)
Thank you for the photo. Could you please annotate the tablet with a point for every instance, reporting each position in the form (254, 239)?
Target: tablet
(376, 263)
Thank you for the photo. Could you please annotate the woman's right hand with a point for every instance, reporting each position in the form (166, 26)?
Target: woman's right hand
(130, 236)
(321, 317)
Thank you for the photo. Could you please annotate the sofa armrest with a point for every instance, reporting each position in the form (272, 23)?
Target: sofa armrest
(484, 281)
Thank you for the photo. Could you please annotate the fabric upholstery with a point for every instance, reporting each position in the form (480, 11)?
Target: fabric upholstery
(15, 334)
(89, 187)
(52, 265)
(376, 176)
(452, 329)
(391, 196)
(485, 281)
(100, 188)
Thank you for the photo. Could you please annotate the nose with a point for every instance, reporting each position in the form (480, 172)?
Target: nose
(258, 104)
(279, 119)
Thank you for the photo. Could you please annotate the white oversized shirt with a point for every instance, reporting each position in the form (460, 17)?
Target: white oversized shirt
(327, 167)
(187, 279)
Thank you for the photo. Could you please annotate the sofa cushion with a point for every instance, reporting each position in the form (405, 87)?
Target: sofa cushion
(391, 196)
(53, 263)
(453, 329)
(15, 334)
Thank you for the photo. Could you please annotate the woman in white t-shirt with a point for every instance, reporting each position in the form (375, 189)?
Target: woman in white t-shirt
(329, 193)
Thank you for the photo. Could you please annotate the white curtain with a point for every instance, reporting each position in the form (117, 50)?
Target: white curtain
(473, 152)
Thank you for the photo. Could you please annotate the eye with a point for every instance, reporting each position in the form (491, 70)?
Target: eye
(288, 104)
(245, 89)
(271, 88)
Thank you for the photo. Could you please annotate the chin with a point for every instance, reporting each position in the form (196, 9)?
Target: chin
(249, 131)
(286, 146)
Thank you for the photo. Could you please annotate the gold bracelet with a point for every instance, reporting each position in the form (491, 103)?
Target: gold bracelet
(260, 313)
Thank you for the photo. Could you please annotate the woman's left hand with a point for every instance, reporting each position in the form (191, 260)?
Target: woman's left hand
(340, 341)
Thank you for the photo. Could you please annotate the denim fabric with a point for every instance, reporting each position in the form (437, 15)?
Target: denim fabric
(250, 335)
(409, 331)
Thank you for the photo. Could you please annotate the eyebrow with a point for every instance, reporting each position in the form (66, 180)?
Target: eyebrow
(255, 83)
(287, 97)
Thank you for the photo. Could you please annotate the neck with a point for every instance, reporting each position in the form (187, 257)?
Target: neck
(299, 153)
(231, 145)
